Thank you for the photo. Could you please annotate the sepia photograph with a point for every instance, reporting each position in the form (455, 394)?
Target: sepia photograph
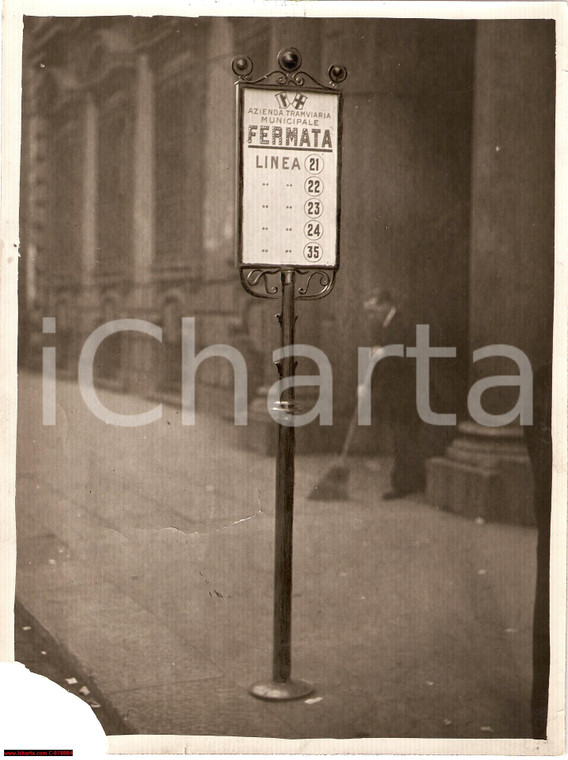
(286, 307)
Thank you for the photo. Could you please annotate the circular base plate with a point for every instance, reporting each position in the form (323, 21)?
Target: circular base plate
(271, 690)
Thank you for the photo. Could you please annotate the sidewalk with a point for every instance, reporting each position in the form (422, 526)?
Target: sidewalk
(38, 651)
(147, 554)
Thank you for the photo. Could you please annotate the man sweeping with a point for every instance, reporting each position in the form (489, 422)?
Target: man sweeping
(394, 385)
(394, 389)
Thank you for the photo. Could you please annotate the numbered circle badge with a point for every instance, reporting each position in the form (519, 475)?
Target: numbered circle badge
(313, 208)
(314, 186)
(313, 252)
(313, 230)
(314, 163)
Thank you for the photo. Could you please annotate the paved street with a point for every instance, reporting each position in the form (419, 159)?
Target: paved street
(147, 554)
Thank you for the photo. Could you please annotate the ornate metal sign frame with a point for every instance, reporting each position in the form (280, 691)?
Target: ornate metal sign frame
(262, 281)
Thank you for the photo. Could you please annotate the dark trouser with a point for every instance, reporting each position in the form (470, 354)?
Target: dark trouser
(414, 443)
(408, 473)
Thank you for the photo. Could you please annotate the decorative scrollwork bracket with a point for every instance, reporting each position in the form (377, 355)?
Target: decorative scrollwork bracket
(310, 284)
(288, 75)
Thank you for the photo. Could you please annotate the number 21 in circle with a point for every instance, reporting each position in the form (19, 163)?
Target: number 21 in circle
(313, 252)
(314, 164)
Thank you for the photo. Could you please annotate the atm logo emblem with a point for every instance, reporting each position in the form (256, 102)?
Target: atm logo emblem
(285, 101)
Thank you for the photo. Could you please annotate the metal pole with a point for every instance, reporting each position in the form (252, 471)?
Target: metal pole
(281, 687)
(284, 500)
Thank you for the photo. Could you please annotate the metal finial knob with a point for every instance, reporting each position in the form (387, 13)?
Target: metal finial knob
(337, 73)
(289, 59)
(242, 65)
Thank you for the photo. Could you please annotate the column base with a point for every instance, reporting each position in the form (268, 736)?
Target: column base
(485, 472)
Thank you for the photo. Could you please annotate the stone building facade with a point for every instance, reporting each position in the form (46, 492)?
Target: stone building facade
(128, 197)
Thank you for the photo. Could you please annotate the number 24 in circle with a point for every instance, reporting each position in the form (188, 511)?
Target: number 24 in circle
(313, 230)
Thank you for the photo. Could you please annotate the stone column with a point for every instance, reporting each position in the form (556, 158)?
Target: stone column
(486, 470)
(218, 102)
(143, 351)
(143, 185)
(90, 308)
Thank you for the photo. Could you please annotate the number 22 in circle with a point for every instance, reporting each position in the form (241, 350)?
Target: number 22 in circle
(314, 186)
(313, 252)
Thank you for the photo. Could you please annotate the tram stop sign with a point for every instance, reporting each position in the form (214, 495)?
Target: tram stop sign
(288, 174)
(287, 214)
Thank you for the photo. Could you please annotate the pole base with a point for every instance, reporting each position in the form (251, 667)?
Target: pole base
(280, 692)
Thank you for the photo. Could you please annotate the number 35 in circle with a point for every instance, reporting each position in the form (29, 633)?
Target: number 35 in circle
(313, 252)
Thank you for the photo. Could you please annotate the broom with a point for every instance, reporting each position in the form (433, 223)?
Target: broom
(334, 484)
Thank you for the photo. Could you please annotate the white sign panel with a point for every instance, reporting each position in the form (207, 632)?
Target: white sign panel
(289, 158)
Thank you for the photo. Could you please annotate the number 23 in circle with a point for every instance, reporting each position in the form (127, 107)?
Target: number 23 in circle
(313, 230)
(314, 208)
(313, 252)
